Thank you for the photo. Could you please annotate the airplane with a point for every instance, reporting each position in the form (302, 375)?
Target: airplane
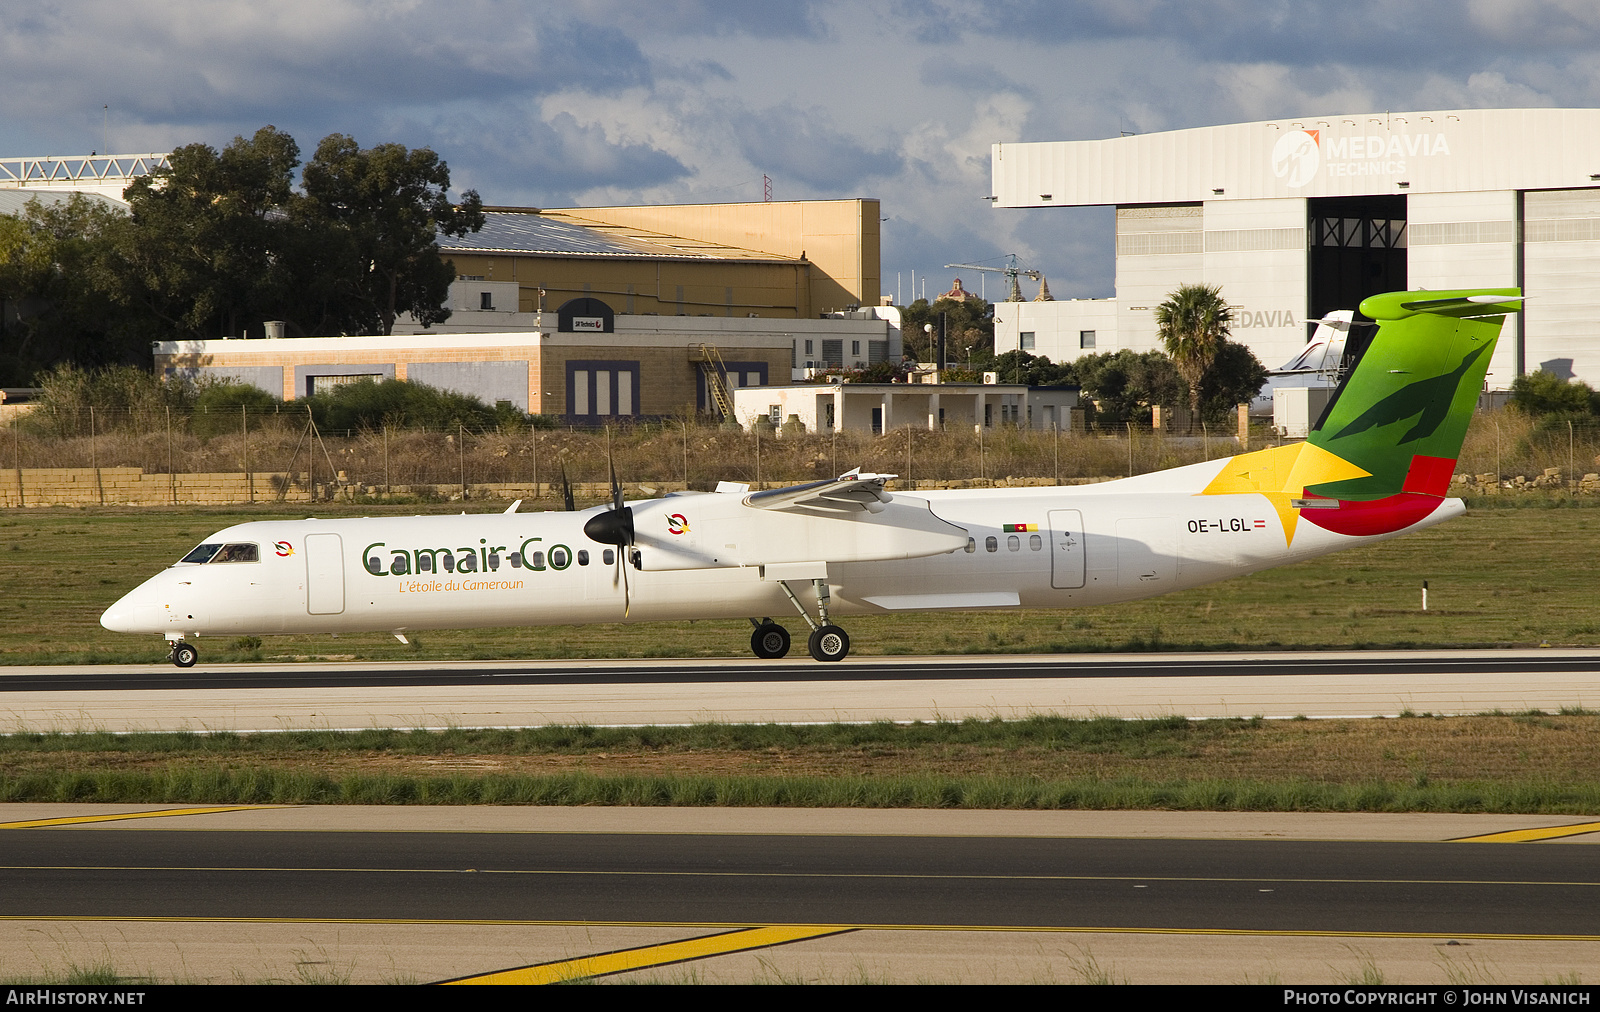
(1376, 465)
(1315, 365)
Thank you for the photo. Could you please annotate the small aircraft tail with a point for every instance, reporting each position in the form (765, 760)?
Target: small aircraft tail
(1401, 413)
(1381, 456)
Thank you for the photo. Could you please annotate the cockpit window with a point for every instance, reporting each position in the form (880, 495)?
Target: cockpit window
(201, 554)
(237, 553)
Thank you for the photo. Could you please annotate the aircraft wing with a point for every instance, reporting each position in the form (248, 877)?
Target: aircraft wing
(850, 492)
(846, 519)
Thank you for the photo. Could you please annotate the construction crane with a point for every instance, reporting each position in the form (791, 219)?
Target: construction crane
(1011, 271)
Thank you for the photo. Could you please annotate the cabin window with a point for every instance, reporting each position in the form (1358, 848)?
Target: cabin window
(583, 556)
(538, 561)
(1035, 543)
(972, 545)
(991, 544)
(238, 553)
(203, 553)
(560, 557)
(609, 557)
(1013, 544)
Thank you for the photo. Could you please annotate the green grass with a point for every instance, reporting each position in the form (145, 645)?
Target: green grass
(1422, 764)
(268, 786)
(1497, 577)
(1104, 734)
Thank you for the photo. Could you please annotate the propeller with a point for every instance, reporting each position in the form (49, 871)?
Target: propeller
(615, 527)
(566, 489)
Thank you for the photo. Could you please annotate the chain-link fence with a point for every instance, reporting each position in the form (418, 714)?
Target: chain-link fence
(286, 455)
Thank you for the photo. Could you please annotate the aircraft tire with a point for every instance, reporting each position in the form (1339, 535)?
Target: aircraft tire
(770, 641)
(829, 643)
(184, 655)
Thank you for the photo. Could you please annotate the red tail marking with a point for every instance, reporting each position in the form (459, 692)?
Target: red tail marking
(1429, 475)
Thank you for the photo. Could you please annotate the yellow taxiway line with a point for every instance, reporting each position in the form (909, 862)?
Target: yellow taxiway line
(1529, 835)
(163, 813)
(649, 956)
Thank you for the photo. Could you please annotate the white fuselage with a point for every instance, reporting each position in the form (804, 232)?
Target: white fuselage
(1032, 547)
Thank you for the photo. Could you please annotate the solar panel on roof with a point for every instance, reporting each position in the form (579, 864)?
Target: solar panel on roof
(513, 232)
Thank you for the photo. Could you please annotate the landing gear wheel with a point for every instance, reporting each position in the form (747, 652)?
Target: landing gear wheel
(184, 655)
(829, 643)
(770, 641)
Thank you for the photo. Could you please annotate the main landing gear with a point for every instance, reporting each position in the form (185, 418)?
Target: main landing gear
(183, 654)
(827, 642)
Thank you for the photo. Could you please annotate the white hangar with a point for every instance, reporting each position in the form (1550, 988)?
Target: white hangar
(1297, 217)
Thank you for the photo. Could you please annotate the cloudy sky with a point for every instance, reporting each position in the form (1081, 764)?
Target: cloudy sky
(604, 101)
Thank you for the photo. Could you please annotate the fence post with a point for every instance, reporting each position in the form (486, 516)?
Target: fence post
(461, 456)
(249, 479)
(16, 438)
(94, 459)
(172, 478)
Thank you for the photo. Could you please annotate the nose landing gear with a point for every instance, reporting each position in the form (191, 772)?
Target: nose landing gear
(183, 654)
(770, 641)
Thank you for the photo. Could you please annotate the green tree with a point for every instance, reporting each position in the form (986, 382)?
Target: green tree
(1192, 323)
(201, 251)
(399, 404)
(1123, 385)
(969, 330)
(1235, 377)
(380, 210)
(1541, 393)
(1018, 366)
(54, 311)
(125, 398)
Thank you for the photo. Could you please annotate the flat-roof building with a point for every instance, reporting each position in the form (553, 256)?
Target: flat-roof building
(1300, 216)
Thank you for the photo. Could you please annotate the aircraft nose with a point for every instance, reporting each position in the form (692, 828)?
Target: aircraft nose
(131, 615)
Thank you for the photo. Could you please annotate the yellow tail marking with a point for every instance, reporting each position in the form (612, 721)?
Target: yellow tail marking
(647, 956)
(1281, 474)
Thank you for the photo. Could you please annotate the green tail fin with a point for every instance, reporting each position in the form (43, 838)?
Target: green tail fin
(1402, 412)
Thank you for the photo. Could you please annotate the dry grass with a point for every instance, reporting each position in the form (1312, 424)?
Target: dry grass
(677, 452)
(701, 455)
(1421, 750)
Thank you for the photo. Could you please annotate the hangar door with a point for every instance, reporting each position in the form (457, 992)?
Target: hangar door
(324, 574)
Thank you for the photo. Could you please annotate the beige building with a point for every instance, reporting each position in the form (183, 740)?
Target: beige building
(782, 260)
(590, 314)
(634, 366)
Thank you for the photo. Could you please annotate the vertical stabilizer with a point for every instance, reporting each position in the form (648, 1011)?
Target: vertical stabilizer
(1402, 412)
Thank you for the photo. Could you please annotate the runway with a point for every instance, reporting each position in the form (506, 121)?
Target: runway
(503, 890)
(416, 894)
(524, 693)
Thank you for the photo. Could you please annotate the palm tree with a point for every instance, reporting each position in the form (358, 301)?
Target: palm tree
(1193, 323)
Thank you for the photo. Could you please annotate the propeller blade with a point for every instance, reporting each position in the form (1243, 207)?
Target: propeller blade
(566, 489)
(627, 592)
